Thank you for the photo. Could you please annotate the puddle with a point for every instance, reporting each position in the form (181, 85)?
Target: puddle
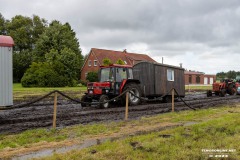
(49, 152)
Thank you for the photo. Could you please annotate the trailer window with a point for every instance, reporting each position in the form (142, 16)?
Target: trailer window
(170, 75)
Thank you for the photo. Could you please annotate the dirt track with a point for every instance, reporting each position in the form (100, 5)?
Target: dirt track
(68, 113)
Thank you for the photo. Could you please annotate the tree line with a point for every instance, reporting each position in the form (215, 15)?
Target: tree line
(230, 74)
(45, 54)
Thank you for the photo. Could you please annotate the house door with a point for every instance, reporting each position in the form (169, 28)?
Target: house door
(205, 80)
(211, 80)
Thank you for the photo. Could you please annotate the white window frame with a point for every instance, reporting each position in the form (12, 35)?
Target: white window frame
(89, 63)
(95, 63)
(86, 74)
(170, 77)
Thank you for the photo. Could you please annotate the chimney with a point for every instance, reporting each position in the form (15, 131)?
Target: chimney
(181, 65)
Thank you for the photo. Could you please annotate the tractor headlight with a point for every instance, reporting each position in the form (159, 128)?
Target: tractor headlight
(90, 91)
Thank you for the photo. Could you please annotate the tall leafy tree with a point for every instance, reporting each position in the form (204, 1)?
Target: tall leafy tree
(2, 25)
(25, 31)
(58, 48)
(58, 37)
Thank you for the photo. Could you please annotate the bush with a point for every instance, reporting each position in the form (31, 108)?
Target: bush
(92, 77)
(43, 75)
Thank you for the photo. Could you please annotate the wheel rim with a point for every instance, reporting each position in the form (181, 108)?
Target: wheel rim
(132, 97)
(105, 105)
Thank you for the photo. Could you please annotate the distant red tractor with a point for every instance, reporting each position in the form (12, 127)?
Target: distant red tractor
(224, 87)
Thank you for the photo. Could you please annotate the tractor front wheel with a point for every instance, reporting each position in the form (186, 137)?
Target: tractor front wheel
(104, 98)
(85, 101)
(222, 93)
(209, 93)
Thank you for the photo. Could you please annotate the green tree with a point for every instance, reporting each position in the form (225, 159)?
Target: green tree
(59, 48)
(25, 31)
(2, 25)
(231, 74)
(107, 62)
(92, 77)
(21, 62)
(58, 37)
(120, 61)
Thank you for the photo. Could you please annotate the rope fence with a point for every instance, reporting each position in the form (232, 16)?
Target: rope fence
(125, 93)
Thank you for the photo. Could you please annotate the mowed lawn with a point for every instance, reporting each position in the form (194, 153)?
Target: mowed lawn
(19, 91)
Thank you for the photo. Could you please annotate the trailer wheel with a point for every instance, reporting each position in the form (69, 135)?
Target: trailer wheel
(167, 99)
(85, 99)
(222, 93)
(104, 98)
(135, 89)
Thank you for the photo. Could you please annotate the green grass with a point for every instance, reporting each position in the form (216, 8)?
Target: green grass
(20, 92)
(185, 142)
(198, 87)
(217, 128)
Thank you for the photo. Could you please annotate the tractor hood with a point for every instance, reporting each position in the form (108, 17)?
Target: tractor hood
(98, 87)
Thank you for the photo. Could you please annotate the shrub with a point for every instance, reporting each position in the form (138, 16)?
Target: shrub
(92, 76)
(43, 75)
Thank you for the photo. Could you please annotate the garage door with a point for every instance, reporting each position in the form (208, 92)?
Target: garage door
(211, 80)
(205, 80)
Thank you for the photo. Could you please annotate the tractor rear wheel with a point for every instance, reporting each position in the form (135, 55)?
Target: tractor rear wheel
(104, 98)
(134, 93)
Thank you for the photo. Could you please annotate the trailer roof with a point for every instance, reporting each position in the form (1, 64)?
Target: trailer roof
(6, 41)
(160, 64)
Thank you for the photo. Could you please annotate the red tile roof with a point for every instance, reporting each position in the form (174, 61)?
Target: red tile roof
(193, 72)
(123, 55)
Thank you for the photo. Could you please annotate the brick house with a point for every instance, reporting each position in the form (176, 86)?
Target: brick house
(193, 77)
(96, 56)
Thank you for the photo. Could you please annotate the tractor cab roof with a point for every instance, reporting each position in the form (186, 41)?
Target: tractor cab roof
(116, 66)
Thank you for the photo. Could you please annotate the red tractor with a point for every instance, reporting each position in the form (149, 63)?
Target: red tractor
(224, 87)
(113, 80)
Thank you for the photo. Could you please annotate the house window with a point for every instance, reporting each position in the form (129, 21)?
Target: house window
(198, 79)
(170, 75)
(95, 62)
(190, 79)
(86, 75)
(89, 63)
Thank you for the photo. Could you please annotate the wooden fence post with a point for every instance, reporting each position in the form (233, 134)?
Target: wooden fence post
(126, 111)
(172, 100)
(55, 110)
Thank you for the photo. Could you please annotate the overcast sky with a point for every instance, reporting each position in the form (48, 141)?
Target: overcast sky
(204, 35)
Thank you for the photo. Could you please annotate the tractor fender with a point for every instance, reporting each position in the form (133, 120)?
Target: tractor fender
(126, 81)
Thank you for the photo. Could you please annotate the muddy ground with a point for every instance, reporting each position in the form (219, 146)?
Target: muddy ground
(40, 114)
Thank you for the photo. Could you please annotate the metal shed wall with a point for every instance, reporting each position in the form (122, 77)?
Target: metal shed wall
(153, 78)
(6, 74)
